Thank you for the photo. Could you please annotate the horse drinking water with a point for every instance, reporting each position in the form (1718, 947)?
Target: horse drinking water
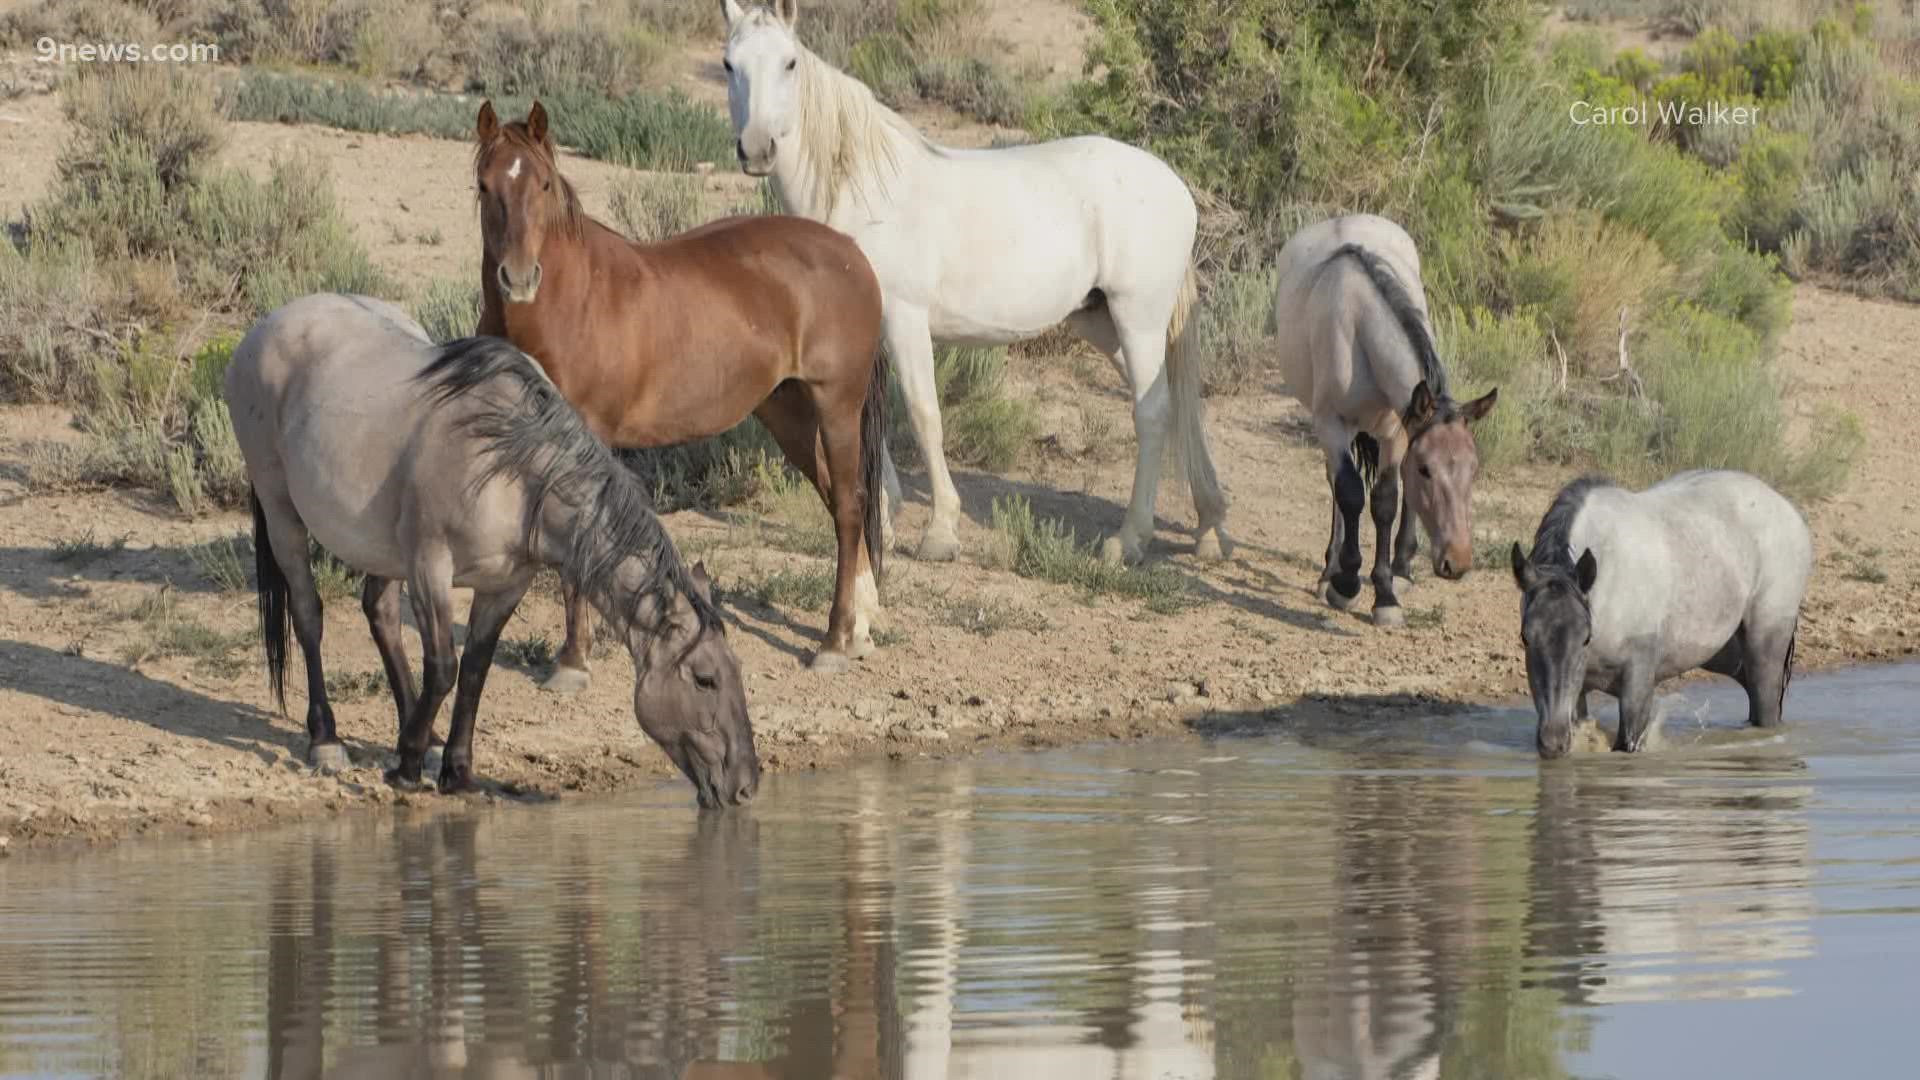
(459, 465)
(1624, 589)
(989, 247)
(1356, 349)
(658, 344)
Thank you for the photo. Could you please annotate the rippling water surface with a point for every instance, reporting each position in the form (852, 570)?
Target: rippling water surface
(1416, 899)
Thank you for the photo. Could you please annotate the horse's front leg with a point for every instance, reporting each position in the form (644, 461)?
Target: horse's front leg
(570, 674)
(380, 600)
(430, 589)
(1407, 544)
(485, 621)
(1384, 501)
(910, 341)
(1636, 706)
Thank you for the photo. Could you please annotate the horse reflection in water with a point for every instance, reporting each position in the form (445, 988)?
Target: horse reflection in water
(451, 998)
(1705, 863)
(1380, 1000)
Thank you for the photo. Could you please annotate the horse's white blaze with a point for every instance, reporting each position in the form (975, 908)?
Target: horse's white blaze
(985, 247)
(513, 170)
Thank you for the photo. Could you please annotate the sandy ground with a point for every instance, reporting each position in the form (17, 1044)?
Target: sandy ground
(99, 739)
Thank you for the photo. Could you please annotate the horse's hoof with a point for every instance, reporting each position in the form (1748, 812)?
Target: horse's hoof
(934, 548)
(329, 758)
(863, 647)
(456, 781)
(829, 663)
(1391, 615)
(1213, 545)
(566, 680)
(1119, 550)
(1333, 598)
(400, 777)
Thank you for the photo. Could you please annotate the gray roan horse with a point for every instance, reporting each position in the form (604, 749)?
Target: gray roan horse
(1356, 349)
(1705, 569)
(460, 465)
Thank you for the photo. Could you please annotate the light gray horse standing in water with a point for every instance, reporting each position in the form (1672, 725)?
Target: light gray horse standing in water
(460, 465)
(1624, 589)
(1356, 349)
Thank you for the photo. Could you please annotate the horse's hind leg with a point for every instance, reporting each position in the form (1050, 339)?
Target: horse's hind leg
(487, 618)
(288, 536)
(1341, 580)
(1143, 354)
(1768, 669)
(570, 673)
(380, 599)
(792, 417)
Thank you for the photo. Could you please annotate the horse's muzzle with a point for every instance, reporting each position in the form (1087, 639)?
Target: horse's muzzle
(758, 163)
(518, 292)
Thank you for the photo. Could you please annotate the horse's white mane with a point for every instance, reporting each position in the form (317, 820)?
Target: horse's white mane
(849, 140)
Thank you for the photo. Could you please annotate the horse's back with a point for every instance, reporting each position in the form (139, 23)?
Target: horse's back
(1689, 560)
(1341, 348)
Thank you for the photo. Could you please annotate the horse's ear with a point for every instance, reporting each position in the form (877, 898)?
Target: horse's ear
(1587, 569)
(788, 10)
(731, 11)
(1479, 407)
(1420, 408)
(701, 582)
(1522, 573)
(488, 124)
(537, 121)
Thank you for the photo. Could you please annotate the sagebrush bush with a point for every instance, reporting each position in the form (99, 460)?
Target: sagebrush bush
(1579, 271)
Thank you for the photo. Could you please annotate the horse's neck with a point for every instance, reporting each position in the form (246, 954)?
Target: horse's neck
(568, 535)
(850, 149)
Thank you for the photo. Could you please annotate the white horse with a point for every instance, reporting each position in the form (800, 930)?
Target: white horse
(988, 247)
(1705, 569)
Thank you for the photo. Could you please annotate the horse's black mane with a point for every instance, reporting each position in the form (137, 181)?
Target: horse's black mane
(1552, 540)
(539, 438)
(1394, 292)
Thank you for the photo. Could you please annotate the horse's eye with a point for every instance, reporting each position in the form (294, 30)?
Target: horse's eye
(483, 187)
(727, 65)
(792, 62)
(1426, 471)
(706, 682)
(546, 185)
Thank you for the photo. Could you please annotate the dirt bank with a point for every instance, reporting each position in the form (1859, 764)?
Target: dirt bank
(104, 734)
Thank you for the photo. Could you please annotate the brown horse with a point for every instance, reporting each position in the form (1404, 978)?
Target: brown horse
(658, 344)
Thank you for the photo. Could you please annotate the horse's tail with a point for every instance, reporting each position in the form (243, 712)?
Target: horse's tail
(1366, 458)
(1186, 371)
(1786, 666)
(276, 622)
(1405, 311)
(873, 460)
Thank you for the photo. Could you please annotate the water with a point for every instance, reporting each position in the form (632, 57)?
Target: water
(1413, 899)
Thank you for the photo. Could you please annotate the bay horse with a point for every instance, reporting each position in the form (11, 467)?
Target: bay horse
(1705, 569)
(989, 247)
(659, 344)
(1356, 348)
(460, 466)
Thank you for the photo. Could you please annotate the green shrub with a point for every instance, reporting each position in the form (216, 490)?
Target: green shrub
(1048, 550)
(982, 425)
(1772, 174)
(449, 308)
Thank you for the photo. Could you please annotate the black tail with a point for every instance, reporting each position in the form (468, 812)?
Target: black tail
(1786, 666)
(276, 623)
(1366, 458)
(1400, 302)
(873, 450)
